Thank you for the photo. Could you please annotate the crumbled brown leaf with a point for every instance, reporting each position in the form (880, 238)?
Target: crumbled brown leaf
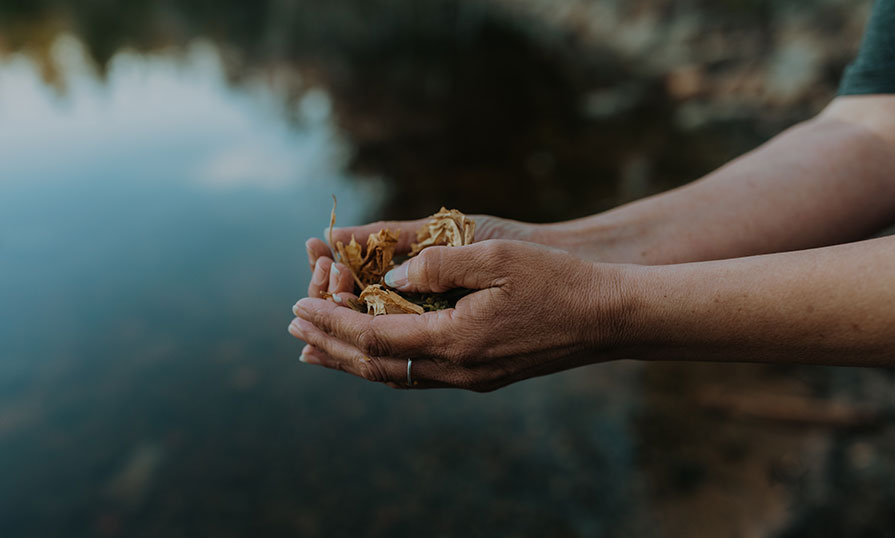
(380, 251)
(357, 305)
(351, 254)
(352, 303)
(369, 268)
(382, 301)
(447, 227)
(332, 224)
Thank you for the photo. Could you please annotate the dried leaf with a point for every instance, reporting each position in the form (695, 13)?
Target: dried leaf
(332, 224)
(378, 261)
(369, 268)
(351, 254)
(382, 301)
(351, 257)
(357, 305)
(447, 227)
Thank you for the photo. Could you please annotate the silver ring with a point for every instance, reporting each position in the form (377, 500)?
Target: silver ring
(409, 379)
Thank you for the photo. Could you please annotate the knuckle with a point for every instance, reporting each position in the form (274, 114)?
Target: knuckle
(372, 370)
(322, 321)
(500, 252)
(371, 343)
(427, 263)
(462, 380)
(485, 353)
(466, 347)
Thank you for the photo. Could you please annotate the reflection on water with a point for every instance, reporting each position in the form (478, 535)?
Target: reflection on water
(158, 178)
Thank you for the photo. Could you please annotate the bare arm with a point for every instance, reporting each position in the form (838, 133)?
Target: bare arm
(832, 305)
(826, 181)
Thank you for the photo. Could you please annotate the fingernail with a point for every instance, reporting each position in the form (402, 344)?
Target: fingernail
(335, 270)
(337, 299)
(295, 309)
(315, 275)
(319, 276)
(397, 277)
(307, 359)
(294, 329)
(301, 306)
(306, 356)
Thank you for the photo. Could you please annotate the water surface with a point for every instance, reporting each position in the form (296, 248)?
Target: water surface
(155, 195)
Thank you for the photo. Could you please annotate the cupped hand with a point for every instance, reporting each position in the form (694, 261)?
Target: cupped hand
(487, 227)
(536, 311)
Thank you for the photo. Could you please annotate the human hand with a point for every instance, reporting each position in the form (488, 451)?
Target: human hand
(487, 227)
(537, 311)
(335, 278)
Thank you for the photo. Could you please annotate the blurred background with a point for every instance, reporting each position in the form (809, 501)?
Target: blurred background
(162, 163)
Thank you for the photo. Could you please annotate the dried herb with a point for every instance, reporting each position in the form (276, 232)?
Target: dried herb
(332, 224)
(437, 301)
(350, 255)
(378, 261)
(353, 304)
(382, 301)
(368, 267)
(447, 227)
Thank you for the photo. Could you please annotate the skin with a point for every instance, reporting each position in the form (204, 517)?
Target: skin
(746, 264)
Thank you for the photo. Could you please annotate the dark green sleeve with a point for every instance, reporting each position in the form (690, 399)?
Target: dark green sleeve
(873, 71)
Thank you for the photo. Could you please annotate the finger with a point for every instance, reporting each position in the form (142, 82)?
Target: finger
(316, 249)
(335, 354)
(439, 269)
(320, 277)
(400, 335)
(342, 298)
(418, 369)
(406, 228)
(313, 355)
(340, 279)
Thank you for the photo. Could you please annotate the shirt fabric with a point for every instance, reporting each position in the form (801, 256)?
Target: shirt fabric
(873, 71)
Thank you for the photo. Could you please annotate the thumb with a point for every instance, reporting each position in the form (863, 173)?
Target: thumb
(439, 269)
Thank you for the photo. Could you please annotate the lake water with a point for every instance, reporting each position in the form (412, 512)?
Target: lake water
(154, 203)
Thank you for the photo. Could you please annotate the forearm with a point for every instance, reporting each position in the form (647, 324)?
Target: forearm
(833, 305)
(823, 182)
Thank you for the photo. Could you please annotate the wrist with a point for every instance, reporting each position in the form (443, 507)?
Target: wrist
(607, 237)
(616, 297)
